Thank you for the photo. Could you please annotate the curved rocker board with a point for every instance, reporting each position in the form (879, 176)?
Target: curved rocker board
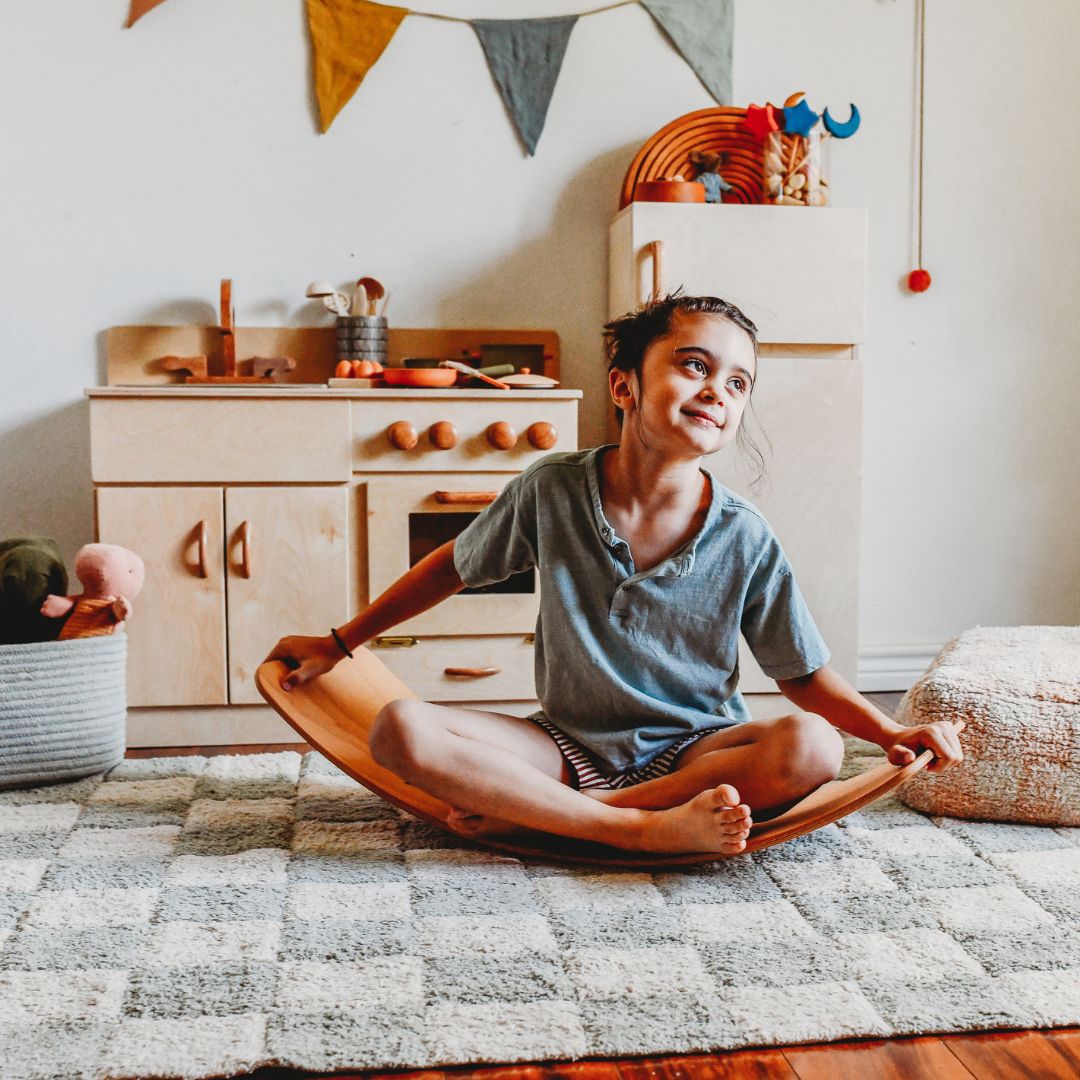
(335, 712)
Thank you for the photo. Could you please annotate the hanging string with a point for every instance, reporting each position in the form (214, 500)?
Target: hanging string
(919, 278)
(579, 14)
(922, 98)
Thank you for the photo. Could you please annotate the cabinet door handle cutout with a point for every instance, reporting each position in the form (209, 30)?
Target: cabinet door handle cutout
(471, 672)
(202, 540)
(245, 548)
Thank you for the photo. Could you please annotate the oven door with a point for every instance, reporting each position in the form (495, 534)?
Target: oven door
(410, 516)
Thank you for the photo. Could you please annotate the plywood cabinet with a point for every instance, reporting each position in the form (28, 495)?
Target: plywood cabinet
(273, 558)
(800, 275)
(266, 512)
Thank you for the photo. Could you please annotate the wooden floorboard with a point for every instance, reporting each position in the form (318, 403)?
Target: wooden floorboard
(1024, 1055)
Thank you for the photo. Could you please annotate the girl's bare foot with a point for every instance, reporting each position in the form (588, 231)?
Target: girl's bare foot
(714, 821)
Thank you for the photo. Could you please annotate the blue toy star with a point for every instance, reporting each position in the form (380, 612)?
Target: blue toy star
(799, 119)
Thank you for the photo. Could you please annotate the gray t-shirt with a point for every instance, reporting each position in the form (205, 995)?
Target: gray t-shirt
(626, 663)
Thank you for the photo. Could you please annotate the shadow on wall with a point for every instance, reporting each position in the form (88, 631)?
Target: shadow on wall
(558, 281)
(53, 496)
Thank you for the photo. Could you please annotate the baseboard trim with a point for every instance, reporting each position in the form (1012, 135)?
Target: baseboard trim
(893, 667)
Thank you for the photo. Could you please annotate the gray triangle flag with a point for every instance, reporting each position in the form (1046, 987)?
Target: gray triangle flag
(702, 31)
(525, 56)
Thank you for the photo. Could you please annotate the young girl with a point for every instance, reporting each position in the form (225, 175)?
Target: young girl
(650, 569)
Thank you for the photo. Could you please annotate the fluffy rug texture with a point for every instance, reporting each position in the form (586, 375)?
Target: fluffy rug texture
(1018, 690)
(199, 917)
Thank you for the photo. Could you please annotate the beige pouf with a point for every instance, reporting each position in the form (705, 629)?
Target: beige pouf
(1018, 691)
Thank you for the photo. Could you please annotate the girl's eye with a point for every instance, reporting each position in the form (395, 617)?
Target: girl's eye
(738, 383)
(695, 365)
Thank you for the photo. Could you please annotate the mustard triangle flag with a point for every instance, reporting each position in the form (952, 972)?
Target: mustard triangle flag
(138, 9)
(525, 57)
(347, 37)
(702, 31)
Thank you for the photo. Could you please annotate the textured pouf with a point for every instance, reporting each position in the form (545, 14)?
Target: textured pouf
(1018, 691)
(63, 709)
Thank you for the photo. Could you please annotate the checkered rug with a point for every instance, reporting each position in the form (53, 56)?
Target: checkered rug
(198, 916)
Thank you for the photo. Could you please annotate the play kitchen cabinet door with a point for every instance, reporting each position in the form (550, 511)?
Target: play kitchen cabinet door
(286, 561)
(800, 274)
(273, 558)
(176, 637)
(408, 517)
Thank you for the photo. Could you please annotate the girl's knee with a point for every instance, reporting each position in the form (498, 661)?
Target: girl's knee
(810, 749)
(394, 739)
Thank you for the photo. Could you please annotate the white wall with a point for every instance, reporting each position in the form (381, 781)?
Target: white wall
(139, 167)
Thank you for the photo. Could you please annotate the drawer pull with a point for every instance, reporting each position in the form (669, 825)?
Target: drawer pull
(393, 642)
(245, 548)
(202, 543)
(456, 497)
(402, 435)
(542, 435)
(471, 672)
(443, 435)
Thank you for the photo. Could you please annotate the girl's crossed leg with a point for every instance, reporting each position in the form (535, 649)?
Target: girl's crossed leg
(497, 769)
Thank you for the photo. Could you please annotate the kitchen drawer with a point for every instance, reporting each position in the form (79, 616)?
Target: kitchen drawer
(502, 666)
(373, 451)
(186, 440)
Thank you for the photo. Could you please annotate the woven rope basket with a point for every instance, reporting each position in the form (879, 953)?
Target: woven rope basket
(63, 708)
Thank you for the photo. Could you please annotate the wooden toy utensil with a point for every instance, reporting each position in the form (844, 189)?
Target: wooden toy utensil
(375, 293)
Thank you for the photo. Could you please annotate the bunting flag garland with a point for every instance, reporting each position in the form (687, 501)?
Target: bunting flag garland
(139, 8)
(347, 37)
(525, 57)
(702, 31)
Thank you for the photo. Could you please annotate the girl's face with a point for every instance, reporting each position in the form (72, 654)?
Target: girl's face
(693, 386)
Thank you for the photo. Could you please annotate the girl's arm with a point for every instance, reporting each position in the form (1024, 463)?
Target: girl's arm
(430, 581)
(828, 694)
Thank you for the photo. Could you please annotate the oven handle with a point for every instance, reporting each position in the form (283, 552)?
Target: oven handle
(465, 497)
(471, 672)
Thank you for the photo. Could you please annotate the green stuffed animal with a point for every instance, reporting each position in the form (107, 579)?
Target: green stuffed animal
(31, 567)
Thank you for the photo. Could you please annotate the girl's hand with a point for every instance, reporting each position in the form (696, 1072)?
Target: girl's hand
(941, 737)
(309, 657)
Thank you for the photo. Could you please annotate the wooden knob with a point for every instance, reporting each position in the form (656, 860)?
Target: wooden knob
(443, 435)
(402, 435)
(501, 435)
(542, 435)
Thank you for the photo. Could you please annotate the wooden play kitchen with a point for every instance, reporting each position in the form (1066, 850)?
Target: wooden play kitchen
(267, 510)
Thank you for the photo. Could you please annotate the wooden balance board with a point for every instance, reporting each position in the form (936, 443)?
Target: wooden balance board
(335, 712)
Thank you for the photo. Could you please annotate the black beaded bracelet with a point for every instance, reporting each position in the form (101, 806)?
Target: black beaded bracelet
(341, 644)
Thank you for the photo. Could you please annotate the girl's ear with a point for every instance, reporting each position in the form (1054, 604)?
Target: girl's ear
(624, 388)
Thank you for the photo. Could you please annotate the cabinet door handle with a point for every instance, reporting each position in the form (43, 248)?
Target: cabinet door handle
(202, 539)
(656, 249)
(451, 497)
(471, 672)
(245, 548)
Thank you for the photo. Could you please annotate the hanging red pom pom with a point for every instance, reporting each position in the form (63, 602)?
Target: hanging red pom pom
(919, 280)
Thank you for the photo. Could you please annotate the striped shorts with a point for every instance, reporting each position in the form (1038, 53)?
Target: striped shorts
(584, 772)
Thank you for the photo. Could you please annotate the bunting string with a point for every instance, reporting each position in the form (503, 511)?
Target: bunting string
(524, 56)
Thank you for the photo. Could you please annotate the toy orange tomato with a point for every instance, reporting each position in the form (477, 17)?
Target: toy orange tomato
(343, 369)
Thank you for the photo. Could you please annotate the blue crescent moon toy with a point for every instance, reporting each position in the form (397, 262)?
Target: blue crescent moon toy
(844, 130)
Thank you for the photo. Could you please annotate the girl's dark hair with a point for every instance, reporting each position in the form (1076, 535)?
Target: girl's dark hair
(627, 337)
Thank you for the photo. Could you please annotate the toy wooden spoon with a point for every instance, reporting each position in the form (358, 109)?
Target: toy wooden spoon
(374, 291)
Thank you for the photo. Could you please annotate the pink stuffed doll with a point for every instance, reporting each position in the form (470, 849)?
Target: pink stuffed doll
(111, 578)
